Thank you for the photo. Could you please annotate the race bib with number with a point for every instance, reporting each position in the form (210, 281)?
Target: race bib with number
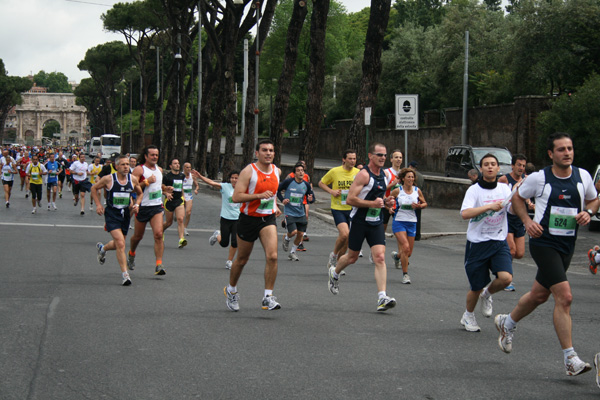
(266, 205)
(155, 195)
(373, 215)
(344, 196)
(121, 200)
(177, 185)
(562, 221)
(7, 175)
(295, 199)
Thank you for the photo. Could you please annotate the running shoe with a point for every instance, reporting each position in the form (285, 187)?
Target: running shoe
(82, 212)
(186, 232)
(371, 258)
(270, 303)
(101, 253)
(126, 279)
(54, 206)
(486, 306)
(396, 259)
(159, 270)
(593, 264)
(360, 254)
(33, 211)
(575, 366)
(182, 243)
(506, 335)
(26, 195)
(7, 204)
(470, 323)
(406, 279)
(293, 257)
(130, 262)
(510, 288)
(333, 281)
(385, 303)
(60, 195)
(286, 244)
(48, 207)
(228, 264)
(332, 260)
(232, 300)
(301, 247)
(597, 365)
(39, 203)
(213, 238)
(75, 201)
(305, 238)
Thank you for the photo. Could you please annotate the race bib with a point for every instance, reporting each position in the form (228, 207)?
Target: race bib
(187, 190)
(155, 195)
(7, 175)
(562, 221)
(266, 205)
(121, 200)
(52, 175)
(295, 200)
(406, 207)
(373, 215)
(177, 185)
(35, 176)
(344, 196)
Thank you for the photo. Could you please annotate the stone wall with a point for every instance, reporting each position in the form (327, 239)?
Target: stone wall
(509, 125)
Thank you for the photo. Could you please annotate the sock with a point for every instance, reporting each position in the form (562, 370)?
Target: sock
(485, 294)
(381, 294)
(125, 274)
(268, 292)
(286, 238)
(509, 323)
(568, 352)
(132, 254)
(335, 275)
(232, 289)
(294, 247)
(597, 258)
(469, 314)
(158, 262)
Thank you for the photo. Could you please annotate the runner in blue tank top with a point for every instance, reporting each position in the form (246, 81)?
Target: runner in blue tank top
(565, 198)
(366, 196)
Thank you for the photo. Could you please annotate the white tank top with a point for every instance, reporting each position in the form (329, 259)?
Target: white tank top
(405, 211)
(153, 192)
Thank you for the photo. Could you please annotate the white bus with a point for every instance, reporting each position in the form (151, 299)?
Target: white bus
(107, 145)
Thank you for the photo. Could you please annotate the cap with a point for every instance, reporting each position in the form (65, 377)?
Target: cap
(413, 164)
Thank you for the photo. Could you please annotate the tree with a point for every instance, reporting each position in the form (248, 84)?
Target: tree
(107, 64)
(288, 71)
(371, 68)
(316, 79)
(88, 95)
(11, 88)
(579, 115)
(56, 82)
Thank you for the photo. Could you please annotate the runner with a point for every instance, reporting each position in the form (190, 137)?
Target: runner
(22, 163)
(35, 170)
(190, 188)
(256, 189)
(119, 206)
(230, 213)
(486, 248)
(391, 181)
(296, 189)
(409, 198)
(366, 196)
(151, 208)
(340, 179)
(54, 169)
(516, 229)
(93, 171)
(174, 203)
(8, 165)
(565, 198)
(64, 166)
(81, 183)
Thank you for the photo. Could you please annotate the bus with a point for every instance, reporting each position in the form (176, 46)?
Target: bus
(107, 145)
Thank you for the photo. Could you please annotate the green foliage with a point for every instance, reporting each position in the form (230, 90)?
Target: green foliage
(11, 88)
(50, 128)
(56, 82)
(578, 115)
(425, 13)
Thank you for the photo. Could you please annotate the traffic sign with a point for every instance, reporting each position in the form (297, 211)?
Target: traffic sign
(407, 111)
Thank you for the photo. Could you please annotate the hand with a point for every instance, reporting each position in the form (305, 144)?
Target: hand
(336, 193)
(285, 201)
(583, 218)
(309, 197)
(277, 212)
(134, 208)
(99, 209)
(390, 202)
(497, 206)
(534, 229)
(151, 179)
(265, 195)
(378, 203)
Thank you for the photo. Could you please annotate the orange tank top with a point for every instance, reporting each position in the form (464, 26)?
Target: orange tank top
(261, 182)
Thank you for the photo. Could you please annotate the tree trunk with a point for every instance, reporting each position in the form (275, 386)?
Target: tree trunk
(316, 81)
(215, 147)
(288, 71)
(369, 85)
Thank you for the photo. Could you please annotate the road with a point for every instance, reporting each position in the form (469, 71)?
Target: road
(70, 331)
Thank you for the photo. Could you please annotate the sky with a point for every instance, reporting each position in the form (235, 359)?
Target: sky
(53, 35)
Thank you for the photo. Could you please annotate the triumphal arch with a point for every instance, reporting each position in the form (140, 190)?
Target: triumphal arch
(39, 108)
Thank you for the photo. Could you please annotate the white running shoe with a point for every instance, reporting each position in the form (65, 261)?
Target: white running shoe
(486, 306)
(232, 300)
(332, 262)
(506, 335)
(575, 366)
(396, 259)
(286, 243)
(333, 282)
(33, 211)
(270, 303)
(101, 253)
(54, 206)
(213, 238)
(360, 254)
(385, 303)
(470, 323)
(185, 231)
(228, 264)
(293, 257)
(406, 279)
(126, 279)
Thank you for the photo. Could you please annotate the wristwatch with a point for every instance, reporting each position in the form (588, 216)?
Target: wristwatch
(589, 211)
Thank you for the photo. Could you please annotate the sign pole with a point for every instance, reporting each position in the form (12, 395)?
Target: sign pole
(406, 148)
(367, 124)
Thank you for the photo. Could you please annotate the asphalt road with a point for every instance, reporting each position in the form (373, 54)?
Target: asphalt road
(69, 330)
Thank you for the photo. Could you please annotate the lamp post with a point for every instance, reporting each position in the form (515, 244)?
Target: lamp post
(256, 110)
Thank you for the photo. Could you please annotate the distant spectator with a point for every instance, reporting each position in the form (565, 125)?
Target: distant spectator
(473, 175)
(529, 168)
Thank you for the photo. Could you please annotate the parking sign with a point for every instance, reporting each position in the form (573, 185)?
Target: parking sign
(407, 111)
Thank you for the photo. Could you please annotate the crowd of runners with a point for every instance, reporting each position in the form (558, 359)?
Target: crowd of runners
(548, 205)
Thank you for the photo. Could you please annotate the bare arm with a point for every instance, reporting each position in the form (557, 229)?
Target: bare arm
(475, 211)
(362, 179)
(206, 180)
(239, 193)
(334, 193)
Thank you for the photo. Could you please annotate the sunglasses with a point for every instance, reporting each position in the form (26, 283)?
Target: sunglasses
(381, 154)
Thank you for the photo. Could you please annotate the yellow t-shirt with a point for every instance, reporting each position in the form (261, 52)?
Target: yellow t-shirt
(339, 178)
(95, 170)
